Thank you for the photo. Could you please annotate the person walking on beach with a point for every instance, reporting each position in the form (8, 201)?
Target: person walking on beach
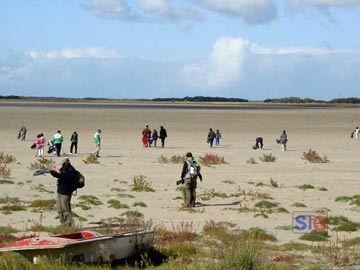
(163, 136)
(74, 142)
(217, 137)
(189, 175)
(259, 143)
(22, 133)
(146, 134)
(66, 176)
(283, 140)
(211, 136)
(57, 140)
(39, 142)
(154, 137)
(97, 141)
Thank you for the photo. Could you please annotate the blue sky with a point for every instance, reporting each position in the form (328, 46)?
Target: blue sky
(254, 49)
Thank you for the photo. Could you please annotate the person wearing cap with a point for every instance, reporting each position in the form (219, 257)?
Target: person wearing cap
(66, 176)
(189, 175)
(57, 141)
(97, 141)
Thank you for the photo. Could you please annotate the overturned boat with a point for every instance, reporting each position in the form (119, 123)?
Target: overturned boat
(83, 246)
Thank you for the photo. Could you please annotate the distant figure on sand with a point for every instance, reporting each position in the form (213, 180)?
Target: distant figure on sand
(57, 140)
(146, 133)
(210, 137)
(154, 137)
(189, 175)
(283, 140)
(97, 141)
(74, 142)
(258, 143)
(65, 187)
(22, 133)
(163, 136)
(217, 137)
(356, 133)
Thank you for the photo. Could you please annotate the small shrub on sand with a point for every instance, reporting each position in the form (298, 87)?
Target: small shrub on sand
(140, 184)
(10, 182)
(273, 183)
(43, 204)
(87, 200)
(139, 204)
(343, 224)
(9, 207)
(251, 161)
(211, 159)
(132, 213)
(306, 186)
(6, 159)
(298, 204)
(43, 163)
(267, 158)
(354, 200)
(4, 171)
(176, 159)
(315, 236)
(313, 157)
(116, 204)
(91, 159)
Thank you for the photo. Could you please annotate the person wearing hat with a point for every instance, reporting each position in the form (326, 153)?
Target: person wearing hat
(66, 176)
(189, 175)
(57, 140)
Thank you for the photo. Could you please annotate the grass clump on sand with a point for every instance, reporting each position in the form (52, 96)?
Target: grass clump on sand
(175, 159)
(354, 200)
(298, 204)
(306, 186)
(211, 159)
(267, 158)
(132, 213)
(43, 163)
(87, 200)
(140, 184)
(116, 204)
(5, 159)
(91, 159)
(343, 224)
(6, 181)
(251, 161)
(267, 207)
(44, 204)
(139, 204)
(211, 193)
(313, 157)
(315, 236)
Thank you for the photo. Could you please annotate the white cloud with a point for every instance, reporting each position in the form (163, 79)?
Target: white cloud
(251, 11)
(296, 5)
(164, 10)
(222, 68)
(111, 9)
(70, 53)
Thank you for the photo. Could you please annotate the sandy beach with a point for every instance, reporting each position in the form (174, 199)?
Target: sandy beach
(326, 130)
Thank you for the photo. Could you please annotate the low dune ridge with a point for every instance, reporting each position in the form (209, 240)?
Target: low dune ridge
(229, 192)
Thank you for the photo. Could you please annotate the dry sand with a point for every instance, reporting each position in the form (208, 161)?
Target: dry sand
(122, 157)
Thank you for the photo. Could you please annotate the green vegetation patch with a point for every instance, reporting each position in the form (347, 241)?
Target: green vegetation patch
(44, 204)
(139, 204)
(315, 236)
(43, 163)
(313, 157)
(140, 184)
(354, 200)
(10, 182)
(306, 186)
(132, 213)
(116, 204)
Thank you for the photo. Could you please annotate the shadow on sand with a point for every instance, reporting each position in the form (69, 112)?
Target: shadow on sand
(215, 204)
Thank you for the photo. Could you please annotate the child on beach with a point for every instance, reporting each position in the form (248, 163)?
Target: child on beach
(217, 137)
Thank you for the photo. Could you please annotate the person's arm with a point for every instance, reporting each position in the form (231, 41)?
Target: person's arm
(184, 170)
(56, 173)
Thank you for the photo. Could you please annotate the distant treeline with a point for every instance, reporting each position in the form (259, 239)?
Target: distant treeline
(351, 100)
(294, 100)
(202, 99)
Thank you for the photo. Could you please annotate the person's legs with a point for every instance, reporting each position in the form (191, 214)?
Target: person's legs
(42, 151)
(261, 144)
(188, 196)
(211, 142)
(154, 141)
(58, 149)
(66, 206)
(71, 148)
(75, 144)
(97, 151)
(162, 142)
(217, 141)
(59, 208)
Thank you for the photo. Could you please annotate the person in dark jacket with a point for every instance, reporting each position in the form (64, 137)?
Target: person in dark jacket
(74, 142)
(66, 176)
(189, 175)
(211, 136)
(283, 141)
(259, 143)
(154, 137)
(162, 136)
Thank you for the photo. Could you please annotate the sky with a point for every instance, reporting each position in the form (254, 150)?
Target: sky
(253, 49)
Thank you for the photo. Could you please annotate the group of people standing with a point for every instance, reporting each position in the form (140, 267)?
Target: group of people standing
(150, 137)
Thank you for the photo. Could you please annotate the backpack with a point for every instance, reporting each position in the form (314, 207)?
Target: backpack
(79, 181)
(193, 168)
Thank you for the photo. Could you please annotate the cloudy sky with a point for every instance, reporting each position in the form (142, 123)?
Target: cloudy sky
(254, 49)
